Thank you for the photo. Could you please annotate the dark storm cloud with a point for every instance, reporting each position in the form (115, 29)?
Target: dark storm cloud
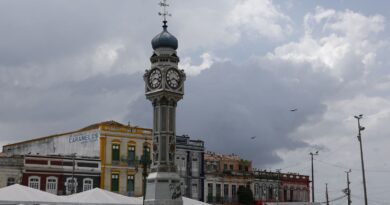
(44, 30)
(77, 104)
(227, 104)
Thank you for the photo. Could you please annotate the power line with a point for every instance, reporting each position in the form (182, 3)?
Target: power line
(342, 167)
(371, 200)
(294, 165)
(335, 199)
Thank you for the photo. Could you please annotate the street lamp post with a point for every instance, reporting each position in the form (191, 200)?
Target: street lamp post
(361, 128)
(145, 162)
(312, 175)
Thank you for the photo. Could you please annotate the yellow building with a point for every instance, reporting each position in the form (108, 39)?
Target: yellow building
(121, 150)
(118, 146)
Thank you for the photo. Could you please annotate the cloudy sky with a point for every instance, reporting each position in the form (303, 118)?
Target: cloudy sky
(67, 64)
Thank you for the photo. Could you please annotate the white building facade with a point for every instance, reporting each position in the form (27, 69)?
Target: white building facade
(190, 166)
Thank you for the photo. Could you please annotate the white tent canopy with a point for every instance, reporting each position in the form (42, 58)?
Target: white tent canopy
(18, 194)
(99, 196)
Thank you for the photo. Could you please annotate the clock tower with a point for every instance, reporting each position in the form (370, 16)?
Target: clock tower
(164, 87)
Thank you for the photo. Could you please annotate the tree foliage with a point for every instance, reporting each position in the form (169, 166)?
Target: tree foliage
(245, 195)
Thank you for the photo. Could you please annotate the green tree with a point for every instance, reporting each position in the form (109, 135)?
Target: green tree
(245, 195)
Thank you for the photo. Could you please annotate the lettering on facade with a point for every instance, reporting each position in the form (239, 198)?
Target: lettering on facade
(84, 138)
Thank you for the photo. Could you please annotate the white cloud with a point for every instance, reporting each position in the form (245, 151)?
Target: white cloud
(335, 41)
(261, 17)
(207, 61)
(223, 23)
(354, 25)
(105, 57)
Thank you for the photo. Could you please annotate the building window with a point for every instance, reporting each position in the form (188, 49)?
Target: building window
(130, 185)
(264, 192)
(87, 184)
(271, 192)
(147, 152)
(194, 193)
(115, 152)
(71, 185)
(115, 182)
(131, 155)
(256, 190)
(224, 166)
(195, 167)
(240, 167)
(10, 181)
(34, 182)
(234, 191)
(226, 192)
(231, 167)
(209, 192)
(218, 192)
(51, 185)
(285, 194)
(246, 168)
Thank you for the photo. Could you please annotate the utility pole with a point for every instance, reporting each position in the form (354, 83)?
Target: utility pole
(73, 168)
(312, 176)
(326, 194)
(278, 192)
(360, 128)
(348, 189)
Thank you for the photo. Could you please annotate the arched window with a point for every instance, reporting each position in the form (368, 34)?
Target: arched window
(51, 185)
(271, 192)
(87, 184)
(34, 182)
(264, 192)
(71, 185)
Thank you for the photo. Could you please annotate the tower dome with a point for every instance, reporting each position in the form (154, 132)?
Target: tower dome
(165, 39)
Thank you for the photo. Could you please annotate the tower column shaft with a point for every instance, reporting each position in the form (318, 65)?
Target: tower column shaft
(164, 137)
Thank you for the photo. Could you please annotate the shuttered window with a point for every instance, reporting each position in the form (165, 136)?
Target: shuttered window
(131, 155)
(115, 182)
(115, 152)
(51, 185)
(34, 182)
(87, 184)
(130, 185)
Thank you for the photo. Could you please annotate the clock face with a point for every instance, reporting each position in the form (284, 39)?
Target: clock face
(155, 78)
(173, 78)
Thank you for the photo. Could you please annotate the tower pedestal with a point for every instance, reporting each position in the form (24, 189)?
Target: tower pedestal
(163, 188)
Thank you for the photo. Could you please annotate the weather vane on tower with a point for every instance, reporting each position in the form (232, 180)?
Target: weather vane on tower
(164, 12)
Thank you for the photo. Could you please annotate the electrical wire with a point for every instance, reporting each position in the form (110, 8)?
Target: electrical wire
(293, 165)
(345, 168)
(335, 199)
(370, 200)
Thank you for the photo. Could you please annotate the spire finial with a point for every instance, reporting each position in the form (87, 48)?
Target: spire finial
(164, 13)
